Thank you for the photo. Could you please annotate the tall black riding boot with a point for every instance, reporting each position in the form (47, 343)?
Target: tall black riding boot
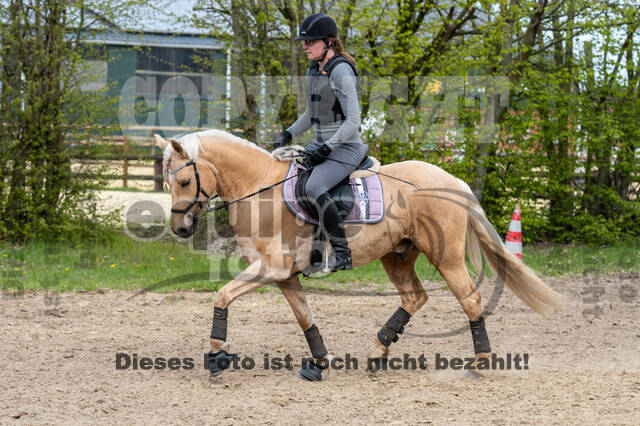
(333, 226)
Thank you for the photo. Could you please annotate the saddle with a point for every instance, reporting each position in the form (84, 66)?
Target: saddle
(342, 194)
(360, 196)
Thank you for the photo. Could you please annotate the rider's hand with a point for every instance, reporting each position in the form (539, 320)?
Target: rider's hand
(314, 154)
(284, 138)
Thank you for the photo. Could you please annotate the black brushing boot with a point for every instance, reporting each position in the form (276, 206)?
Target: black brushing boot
(333, 226)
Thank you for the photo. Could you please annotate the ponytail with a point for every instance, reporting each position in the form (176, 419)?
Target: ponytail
(337, 47)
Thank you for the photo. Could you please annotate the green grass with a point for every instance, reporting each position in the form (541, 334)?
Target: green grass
(562, 260)
(547, 259)
(120, 264)
(169, 265)
(374, 273)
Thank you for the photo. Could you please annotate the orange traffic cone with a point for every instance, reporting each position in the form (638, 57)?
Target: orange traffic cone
(514, 236)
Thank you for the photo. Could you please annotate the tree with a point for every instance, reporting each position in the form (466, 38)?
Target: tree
(41, 106)
(570, 107)
(566, 116)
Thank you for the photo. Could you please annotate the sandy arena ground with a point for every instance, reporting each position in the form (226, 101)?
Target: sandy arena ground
(59, 360)
(132, 204)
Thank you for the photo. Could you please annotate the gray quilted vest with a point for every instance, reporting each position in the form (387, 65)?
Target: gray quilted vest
(325, 108)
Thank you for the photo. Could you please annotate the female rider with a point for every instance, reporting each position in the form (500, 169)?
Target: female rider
(334, 112)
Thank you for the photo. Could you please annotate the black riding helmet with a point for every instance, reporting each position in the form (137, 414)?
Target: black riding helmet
(317, 26)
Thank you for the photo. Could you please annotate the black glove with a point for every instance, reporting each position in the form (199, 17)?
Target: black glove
(284, 138)
(314, 155)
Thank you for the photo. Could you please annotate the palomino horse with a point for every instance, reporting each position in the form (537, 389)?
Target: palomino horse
(437, 215)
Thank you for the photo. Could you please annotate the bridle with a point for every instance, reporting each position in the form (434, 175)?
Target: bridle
(196, 200)
(205, 202)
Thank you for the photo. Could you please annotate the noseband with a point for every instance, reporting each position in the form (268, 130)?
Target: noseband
(196, 200)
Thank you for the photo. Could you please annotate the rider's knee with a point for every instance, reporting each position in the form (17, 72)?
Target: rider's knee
(313, 192)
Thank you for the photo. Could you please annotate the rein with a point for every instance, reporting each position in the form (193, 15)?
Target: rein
(378, 173)
(199, 190)
(226, 204)
(367, 169)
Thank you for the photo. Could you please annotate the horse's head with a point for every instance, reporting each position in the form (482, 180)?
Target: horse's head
(192, 182)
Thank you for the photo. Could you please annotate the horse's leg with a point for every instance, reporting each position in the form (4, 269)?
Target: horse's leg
(457, 277)
(402, 273)
(254, 276)
(292, 291)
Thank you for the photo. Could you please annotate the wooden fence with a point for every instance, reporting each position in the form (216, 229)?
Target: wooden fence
(142, 149)
(123, 150)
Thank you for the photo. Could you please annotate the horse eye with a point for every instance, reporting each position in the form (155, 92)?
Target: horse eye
(186, 182)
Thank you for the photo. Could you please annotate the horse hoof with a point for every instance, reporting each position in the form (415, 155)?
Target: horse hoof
(219, 361)
(311, 372)
(376, 364)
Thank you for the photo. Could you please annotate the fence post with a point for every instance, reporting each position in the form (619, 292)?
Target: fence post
(158, 185)
(157, 171)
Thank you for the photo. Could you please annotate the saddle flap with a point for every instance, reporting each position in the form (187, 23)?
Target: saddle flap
(342, 194)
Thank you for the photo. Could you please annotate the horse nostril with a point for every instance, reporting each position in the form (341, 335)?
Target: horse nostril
(182, 232)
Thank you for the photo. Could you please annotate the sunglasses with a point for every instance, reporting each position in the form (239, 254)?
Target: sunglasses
(309, 42)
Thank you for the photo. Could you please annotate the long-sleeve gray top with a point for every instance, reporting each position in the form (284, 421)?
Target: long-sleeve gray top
(329, 127)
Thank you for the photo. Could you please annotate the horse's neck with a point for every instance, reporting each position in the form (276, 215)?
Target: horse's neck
(241, 168)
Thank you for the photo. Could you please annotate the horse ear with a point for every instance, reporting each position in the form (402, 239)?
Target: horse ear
(177, 147)
(161, 142)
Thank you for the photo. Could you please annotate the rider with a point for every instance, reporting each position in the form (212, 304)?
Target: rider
(334, 112)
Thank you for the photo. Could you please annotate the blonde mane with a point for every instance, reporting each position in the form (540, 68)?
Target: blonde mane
(192, 145)
(232, 138)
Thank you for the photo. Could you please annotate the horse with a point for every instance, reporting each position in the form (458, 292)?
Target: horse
(428, 211)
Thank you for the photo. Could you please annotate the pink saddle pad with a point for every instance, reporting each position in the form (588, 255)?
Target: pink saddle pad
(367, 192)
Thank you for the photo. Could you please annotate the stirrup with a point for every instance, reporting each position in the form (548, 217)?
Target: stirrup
(325, 267)
(346, 263)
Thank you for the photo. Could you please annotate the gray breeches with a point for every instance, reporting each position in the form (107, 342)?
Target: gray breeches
(326, 175)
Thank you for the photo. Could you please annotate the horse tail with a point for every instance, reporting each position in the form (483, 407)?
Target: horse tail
(482, 238)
